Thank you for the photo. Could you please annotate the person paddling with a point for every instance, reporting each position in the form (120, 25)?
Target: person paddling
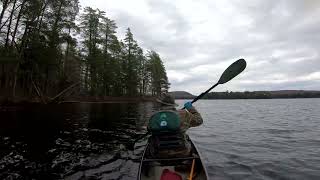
(168, 127)
(168, 154)
(189, 116)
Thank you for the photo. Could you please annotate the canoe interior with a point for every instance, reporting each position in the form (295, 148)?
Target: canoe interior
(152, 168)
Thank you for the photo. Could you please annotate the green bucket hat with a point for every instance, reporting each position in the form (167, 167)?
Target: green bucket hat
(166, 99)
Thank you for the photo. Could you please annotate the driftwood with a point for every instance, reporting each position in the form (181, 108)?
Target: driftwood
(38, 92)
(46, 100)
(64, 91)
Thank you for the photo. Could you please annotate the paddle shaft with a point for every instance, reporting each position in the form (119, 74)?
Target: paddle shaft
(192, 169)
(204, 93)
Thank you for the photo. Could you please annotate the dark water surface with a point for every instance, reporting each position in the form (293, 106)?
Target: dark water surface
(240, 139)
(71, 141)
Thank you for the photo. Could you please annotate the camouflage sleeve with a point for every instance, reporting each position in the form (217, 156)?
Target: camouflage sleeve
(196, 119)
(190, 118)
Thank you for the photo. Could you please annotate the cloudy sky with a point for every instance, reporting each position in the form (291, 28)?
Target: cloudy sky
(197, 40)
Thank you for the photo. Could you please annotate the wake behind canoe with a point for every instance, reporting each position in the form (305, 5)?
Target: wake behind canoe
(154, 168)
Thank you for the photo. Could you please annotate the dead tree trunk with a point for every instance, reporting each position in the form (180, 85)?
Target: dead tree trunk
(4, 7)
(17, 24)
(9, 25)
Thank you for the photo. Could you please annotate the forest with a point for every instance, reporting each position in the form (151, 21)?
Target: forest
(263, 94)
(50, 47)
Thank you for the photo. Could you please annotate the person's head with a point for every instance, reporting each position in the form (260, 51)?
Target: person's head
(166, 101)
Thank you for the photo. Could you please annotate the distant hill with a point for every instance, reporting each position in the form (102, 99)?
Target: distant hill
(263, 94)
(182, 95)
(288, 92)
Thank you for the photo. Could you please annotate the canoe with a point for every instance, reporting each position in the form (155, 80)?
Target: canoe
(152, 168)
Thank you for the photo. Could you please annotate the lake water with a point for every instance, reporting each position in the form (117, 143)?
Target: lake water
(240, 139)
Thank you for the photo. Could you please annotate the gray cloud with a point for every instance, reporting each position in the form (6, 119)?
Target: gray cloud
(279, 39)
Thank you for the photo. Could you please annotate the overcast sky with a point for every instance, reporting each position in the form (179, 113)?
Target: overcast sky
(197, 40)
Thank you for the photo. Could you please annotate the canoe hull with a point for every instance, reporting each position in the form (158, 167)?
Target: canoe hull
(153, 167)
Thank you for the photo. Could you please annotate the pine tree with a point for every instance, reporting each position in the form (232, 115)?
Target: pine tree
(109, 74)
(90, 23)
(131, 56)
(159, 79)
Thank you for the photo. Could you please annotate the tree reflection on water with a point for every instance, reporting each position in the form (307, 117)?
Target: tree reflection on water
(72, 141)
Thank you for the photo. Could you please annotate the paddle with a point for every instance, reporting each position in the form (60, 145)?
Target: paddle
(232, 71)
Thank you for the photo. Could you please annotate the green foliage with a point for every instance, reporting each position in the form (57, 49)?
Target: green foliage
(158, 75)
(43, 47)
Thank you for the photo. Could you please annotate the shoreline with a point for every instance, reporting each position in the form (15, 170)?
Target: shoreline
(8, 101)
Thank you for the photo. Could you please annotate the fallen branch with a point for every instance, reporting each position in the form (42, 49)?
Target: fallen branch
(38, 92)
(64, 91)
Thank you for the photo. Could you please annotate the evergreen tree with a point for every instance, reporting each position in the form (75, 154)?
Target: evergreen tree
(109, 71)
(90, 23)
(159, 79)
(131, 49)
